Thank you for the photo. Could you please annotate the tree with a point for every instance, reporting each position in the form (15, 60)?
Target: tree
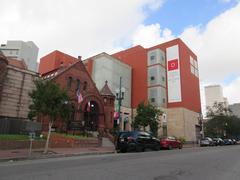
(221, 122)
(147, 115)
(48, 99)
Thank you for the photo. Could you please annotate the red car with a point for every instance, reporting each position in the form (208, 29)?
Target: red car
(170, 143)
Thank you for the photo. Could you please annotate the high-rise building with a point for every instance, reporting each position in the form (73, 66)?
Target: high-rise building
(214, 94)
(21, 50)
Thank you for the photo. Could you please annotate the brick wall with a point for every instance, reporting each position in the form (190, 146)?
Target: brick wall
(55, 142)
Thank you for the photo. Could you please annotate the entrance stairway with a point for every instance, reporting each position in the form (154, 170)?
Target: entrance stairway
(107, 143)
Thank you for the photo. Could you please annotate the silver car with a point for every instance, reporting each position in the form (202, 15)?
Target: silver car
(206, 142)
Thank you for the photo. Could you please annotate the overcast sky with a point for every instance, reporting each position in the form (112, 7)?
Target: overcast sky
(211, 28)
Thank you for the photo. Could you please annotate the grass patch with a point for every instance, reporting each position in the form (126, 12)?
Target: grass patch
(17, 137)
(13, 137)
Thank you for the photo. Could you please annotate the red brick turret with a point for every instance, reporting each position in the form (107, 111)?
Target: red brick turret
(108, 99)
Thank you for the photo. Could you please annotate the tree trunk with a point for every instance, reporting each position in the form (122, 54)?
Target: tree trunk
(48, 137)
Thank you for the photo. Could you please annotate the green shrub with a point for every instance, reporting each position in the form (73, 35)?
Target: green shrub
(182, 140)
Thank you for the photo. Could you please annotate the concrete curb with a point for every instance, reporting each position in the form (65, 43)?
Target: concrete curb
(54, 156)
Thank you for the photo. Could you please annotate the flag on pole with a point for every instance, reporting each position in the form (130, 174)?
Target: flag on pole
(88, 106)
(79, 96)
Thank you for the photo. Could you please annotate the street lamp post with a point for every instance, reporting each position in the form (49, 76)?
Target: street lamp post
(119, 98)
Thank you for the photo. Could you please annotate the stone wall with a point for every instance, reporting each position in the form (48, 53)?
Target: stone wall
(182, 122)
(15, 98)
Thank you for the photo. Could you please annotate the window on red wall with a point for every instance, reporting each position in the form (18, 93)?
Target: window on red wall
(78, 84)
(194, 66)
(85, 85)
(69, 83)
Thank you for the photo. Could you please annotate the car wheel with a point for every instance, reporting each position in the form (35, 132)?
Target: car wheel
(123, 150)
(180, 146)
(157, 148)
(170, 147)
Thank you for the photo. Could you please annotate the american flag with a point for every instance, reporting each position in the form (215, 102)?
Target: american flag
(88, 107)
(79, 96)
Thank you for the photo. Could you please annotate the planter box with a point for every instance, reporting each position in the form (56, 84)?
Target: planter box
(66, 142)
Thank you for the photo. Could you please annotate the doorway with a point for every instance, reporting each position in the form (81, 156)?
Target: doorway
(91, 116)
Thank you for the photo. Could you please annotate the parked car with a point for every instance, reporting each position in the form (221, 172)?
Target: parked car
(207, 141)
(234, 141)
(136, 141)
(170, 143)
(228, 141)
(218, 141)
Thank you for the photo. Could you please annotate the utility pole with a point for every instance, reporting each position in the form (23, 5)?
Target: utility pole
(119, 98)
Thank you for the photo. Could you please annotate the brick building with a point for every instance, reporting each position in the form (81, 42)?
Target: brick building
(104, 67)
(95, 111)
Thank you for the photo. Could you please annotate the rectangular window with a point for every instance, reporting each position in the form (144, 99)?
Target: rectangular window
(191, 61)
(152, 100)
(194, 66)
(162, 58)
(163, 78)
(192, 69)
(163, 100)
(196, 72)
(152, 78)
(152, 57)
(69, 83)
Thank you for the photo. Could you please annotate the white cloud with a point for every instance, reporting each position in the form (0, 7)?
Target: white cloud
(217, 47)
(75, 27)
(155, 4)
(224, 1)
(150, 35)
(232, 90)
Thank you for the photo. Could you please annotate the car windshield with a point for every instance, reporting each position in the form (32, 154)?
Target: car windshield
(126, 134)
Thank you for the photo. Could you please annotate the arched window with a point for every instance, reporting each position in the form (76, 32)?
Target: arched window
(69, 84)
(85, 85)
(78, 84)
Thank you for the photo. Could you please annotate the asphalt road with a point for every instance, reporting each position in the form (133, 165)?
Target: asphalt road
(210, 163)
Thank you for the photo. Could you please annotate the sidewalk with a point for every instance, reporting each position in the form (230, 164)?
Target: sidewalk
(190, 145)
(23, 154)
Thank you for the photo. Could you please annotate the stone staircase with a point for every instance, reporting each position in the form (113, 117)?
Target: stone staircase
(107, 143)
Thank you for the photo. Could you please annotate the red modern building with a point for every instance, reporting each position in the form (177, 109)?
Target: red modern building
(54, 61)
(165, 75)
